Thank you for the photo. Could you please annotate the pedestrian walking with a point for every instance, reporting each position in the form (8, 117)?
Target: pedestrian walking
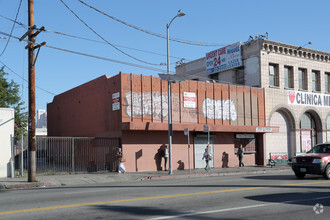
(240, 153)
(166, 154)
(121, 160)
(207, 157)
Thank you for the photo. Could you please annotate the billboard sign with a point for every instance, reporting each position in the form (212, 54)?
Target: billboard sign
(225, 58)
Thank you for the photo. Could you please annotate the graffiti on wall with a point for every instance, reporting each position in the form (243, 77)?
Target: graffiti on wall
(219, 109)
(156, 104)
(152, 104)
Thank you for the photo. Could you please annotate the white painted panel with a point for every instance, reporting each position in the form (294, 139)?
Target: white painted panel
(278, 142)
(200, 143)
(6, 130)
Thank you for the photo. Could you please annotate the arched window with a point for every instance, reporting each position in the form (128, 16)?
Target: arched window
(307, 132)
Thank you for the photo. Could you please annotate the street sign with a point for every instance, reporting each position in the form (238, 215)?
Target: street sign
(206, 128)
(186, 132)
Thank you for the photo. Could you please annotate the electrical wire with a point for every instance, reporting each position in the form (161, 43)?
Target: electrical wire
(12, 29)
(104, 38)
(94, 56)
(102, 42)
(92, 40)
(152, 33)
(107, 59)
(25, 79)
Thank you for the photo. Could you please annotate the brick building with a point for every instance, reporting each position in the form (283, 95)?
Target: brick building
(296, 84)
(134, 108)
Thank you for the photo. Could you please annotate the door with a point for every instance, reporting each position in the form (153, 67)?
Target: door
(200, 143)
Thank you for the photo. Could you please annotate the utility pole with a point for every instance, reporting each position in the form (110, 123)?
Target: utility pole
(32, 94)
(32, 98)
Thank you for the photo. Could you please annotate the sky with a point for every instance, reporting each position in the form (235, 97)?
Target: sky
(80, 50)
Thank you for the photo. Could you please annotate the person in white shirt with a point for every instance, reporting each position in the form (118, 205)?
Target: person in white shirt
(166, 154)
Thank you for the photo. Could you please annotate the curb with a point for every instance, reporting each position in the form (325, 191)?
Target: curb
(26, 186)
(232, 173)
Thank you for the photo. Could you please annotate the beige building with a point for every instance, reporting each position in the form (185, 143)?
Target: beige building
(296, 84)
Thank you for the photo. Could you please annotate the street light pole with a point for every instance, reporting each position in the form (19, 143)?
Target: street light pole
(170, 130)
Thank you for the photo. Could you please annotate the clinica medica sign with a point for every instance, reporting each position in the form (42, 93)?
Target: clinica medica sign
(308, 99)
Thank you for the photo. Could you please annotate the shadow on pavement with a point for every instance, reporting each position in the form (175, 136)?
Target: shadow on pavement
(284, 177)
(308, 198)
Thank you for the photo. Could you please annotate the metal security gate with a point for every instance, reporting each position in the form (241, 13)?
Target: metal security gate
(71, 154)
(200, 143)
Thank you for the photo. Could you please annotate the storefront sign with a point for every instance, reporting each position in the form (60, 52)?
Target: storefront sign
(224, 58)
(115, 101)
(308, 99)
(264, 129)
(245, 136)
(189, 100)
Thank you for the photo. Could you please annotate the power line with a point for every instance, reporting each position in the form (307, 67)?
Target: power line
(107, 59)
(25, 79)
(94, 56)
(152, 33)
(92, 40)
(104, 38)
(12, 29)
(15, 21)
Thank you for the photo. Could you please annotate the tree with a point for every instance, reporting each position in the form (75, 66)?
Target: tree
(9, 98)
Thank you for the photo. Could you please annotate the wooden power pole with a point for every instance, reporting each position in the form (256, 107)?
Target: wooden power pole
(32, 94)
(32, 98)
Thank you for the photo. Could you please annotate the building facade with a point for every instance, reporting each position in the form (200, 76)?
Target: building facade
(41, 118)
(296, 85)
(134, 108)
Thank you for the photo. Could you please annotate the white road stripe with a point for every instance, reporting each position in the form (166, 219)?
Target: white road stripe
(238, 208)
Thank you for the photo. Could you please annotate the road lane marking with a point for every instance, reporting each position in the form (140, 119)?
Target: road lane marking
(152, 197)
(237, 208)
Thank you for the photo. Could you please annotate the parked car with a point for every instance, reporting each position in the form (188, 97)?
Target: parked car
(316, 161)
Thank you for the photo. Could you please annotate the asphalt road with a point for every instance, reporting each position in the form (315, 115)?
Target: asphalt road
(262, 196)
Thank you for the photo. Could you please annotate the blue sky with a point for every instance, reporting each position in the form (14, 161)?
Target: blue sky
(208, 21)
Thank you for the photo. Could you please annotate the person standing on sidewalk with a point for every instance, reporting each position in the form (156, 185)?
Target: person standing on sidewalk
(206, 156)
(240, 153)
(166, 154)
(121, 160)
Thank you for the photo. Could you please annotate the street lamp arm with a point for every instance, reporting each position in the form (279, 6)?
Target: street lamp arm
(180, 14)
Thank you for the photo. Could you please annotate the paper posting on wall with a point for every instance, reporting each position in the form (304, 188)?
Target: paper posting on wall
(189, 100)
(115, 101)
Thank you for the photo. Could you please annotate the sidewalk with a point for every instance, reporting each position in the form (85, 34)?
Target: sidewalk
(108, 177)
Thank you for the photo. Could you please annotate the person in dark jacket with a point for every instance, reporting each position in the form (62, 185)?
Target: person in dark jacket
(240, 153)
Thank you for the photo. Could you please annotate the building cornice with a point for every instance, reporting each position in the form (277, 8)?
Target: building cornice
(294, 51)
